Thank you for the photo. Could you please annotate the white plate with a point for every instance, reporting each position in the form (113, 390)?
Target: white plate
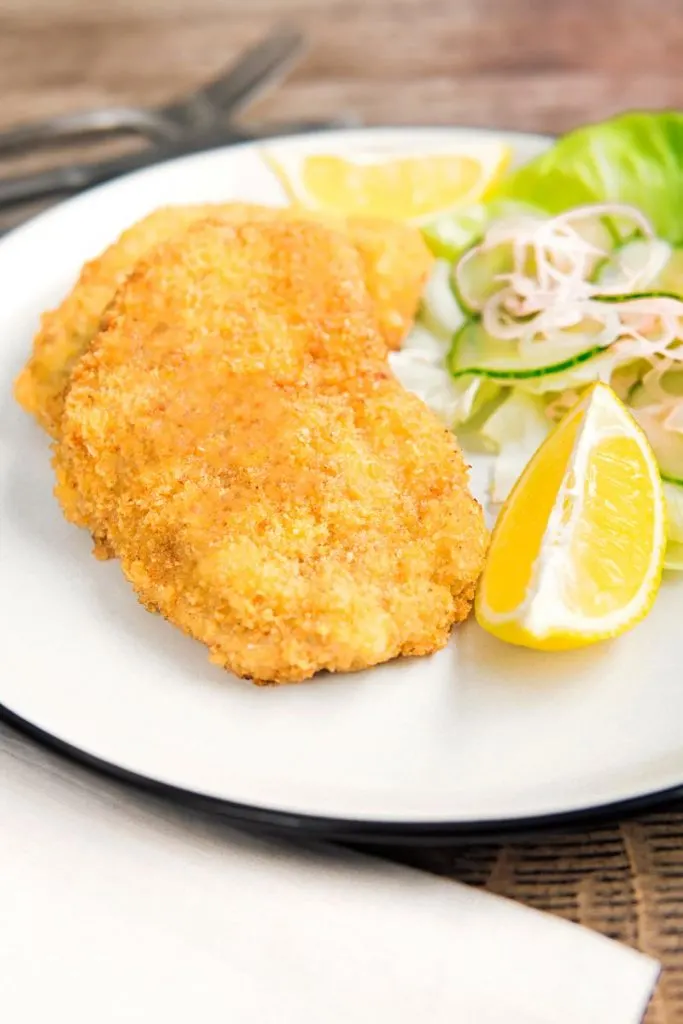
(479, 735)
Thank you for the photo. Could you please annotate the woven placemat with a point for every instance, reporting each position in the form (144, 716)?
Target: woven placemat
(624, 880)
(536, 65)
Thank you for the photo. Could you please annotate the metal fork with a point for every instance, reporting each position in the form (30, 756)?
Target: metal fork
(196, 122)
(259, 68)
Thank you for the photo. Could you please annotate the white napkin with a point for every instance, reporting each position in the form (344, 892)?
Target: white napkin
(118, 909)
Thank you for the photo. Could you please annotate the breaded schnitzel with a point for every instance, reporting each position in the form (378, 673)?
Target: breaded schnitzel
(235, 435)
(395, 258)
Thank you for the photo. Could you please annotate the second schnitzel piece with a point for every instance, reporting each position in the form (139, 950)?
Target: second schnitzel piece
(395, 260)
(235, 436)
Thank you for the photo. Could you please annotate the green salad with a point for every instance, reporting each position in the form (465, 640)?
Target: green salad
(571, 273)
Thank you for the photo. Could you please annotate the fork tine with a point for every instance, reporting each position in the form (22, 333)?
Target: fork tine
(260, 67)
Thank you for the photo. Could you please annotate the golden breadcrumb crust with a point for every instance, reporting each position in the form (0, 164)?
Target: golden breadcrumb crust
(395, 259)
(234, 435)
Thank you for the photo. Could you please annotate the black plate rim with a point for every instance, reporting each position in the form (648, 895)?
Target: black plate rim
(348, 830)
(252, 817)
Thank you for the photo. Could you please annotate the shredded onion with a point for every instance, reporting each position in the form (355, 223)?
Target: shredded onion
(548, 291)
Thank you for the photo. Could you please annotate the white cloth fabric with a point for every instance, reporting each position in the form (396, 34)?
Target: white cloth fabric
(119, 908)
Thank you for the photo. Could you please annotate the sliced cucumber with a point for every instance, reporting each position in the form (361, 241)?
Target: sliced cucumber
(623, 228)
(641, 394)
(673, 559)
(476, 277)
(635, 265)
(453, 233)
(578, 376)
(596, 231)
(450, 235)
(673, 493)
(666, 444)
(506, 209)
(475, 352)
(671, 278)
(654, 293)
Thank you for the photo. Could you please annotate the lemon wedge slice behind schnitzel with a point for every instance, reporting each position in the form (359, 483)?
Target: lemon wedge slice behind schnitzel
(409, 186)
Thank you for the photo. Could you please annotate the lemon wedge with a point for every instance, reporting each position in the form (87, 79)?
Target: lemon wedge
(576, 555)
(408, 186)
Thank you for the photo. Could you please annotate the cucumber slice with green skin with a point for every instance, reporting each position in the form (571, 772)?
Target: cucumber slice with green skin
(596, 231)
(453, 233)
(475, 278)
(637, 264)
(673, 494)
(449, 236)
(671, 277)
(475, 352)
(671, 383)
(673, 559)
(666, 444)
(632, 296)
(576, 377)
(659, 267)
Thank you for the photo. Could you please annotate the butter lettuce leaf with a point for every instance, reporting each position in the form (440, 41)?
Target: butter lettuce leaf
(635, 158)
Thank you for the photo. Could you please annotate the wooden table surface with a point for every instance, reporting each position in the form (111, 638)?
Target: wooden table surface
(539, 65)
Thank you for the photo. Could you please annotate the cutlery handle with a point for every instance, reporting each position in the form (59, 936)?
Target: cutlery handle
(41, 185)
(83, 124)
(77, 177)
